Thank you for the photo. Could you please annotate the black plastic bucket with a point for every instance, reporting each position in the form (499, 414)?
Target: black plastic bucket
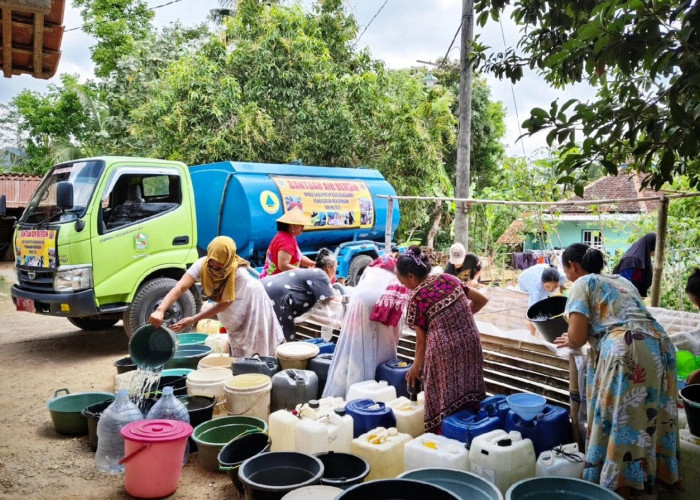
(240, 449)
(177, 382)
(92, 413)
(200, 409)
(548, 317)
(342, 470)
(398, 489)
(124, 365)
(690, 395)
(269, 476)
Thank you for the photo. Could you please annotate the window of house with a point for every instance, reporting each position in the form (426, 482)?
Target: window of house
(593, 238)
(133, 196)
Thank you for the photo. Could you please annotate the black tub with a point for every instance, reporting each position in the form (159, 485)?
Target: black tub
(342, 470)
(124, 365)
(92, 413)
(200, 409)
(397, 489)
(269, 476)
(548, 317)
(690, 395)
(240, 449)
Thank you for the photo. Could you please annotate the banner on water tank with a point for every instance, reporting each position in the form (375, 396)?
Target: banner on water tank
(330, 203)
(36, 248)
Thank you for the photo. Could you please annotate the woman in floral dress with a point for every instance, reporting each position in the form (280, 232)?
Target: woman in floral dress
(448, 357)
(632, 435)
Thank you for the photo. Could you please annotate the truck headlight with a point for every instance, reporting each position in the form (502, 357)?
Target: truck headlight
(72, 278)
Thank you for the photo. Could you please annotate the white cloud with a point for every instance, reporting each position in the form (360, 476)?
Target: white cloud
(402, 33)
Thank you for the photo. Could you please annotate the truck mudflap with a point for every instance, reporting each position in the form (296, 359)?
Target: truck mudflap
(74, 304)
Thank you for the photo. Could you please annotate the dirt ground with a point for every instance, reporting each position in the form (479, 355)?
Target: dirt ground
(38, 355)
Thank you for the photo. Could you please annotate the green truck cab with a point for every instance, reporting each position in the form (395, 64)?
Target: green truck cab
(133, 216)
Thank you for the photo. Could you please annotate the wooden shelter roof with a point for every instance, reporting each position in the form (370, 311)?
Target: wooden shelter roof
(31, 33)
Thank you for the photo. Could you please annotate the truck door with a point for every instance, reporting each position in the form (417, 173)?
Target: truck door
(142, 225)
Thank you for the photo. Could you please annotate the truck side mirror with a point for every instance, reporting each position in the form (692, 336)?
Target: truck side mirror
(64, 195)
(3, 205)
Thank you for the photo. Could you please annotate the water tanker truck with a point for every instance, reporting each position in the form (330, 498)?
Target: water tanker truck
(104, 239)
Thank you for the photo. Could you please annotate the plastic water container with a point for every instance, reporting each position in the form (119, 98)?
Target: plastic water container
(332, 432)
(689, 465)
(320, 365)
(410, 415)
(282, 424)
(291, 387)
(496, 405)
(110, 443)
(503, 458)
(324, 347)
(394, 372)
(267, 365)
(431, 450)
(464, 425)
(549, 429)
(168, 407)
(218, 343)
(215, 360)
(381, 391)
(562, 461)
(209, 382)
(367, 415)
(248, 394)
(296, 354)
(384, 451)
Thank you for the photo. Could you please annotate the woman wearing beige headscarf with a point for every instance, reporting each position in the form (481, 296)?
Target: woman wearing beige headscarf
(240, 301)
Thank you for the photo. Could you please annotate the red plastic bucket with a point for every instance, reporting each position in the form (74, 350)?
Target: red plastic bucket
(153, 456)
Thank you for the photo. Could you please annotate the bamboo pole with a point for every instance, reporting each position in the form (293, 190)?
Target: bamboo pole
(661, 227)
(389, 222)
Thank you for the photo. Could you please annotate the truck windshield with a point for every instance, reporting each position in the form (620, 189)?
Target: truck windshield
(82, 174)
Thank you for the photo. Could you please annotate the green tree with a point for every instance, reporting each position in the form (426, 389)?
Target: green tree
(643, 56)
(117, 25)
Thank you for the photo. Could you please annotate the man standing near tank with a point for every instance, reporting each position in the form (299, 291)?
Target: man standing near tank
(539, 281)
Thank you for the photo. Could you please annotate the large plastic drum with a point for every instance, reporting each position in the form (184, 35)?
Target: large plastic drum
(558, 487)
(463, 484)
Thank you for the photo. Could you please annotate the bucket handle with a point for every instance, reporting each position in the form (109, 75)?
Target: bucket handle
(250, 407)
(244, 433)
(55, 394)
(134, 453)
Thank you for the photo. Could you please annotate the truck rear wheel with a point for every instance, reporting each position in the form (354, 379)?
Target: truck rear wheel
(93, 323)
(147, 300)
(357, 267)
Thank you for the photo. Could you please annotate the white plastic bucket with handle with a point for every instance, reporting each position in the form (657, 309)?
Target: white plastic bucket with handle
(248, 394)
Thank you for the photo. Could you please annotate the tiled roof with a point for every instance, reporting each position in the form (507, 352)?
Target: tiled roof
(623, 185)
(513, 234)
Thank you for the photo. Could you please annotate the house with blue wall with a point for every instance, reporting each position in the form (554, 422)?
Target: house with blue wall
(608, 227)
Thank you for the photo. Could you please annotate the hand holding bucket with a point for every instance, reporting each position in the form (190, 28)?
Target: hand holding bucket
(152, 348)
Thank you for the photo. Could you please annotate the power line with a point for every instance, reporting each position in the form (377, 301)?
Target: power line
(112, 20)
(512, 91)
(370, 21)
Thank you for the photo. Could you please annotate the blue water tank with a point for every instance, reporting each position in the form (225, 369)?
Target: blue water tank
(549, 429)
(243, 200)
(367, 415)
(394, 371)
(465, 425)
(496, 406)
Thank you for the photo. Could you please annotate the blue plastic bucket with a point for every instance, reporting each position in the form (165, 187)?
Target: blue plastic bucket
(558, 487)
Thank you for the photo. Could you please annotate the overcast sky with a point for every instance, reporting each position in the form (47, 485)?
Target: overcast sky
(402, 33)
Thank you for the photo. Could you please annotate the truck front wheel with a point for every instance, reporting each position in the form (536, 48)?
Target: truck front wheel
(147, 300)
(93, 323)
(357, 267)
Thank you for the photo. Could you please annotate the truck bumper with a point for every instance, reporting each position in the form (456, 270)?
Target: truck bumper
(75, 304)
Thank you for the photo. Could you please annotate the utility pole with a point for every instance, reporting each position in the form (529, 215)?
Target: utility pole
(464, 135)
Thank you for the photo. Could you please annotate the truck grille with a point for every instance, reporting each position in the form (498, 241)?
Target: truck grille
(42, 280)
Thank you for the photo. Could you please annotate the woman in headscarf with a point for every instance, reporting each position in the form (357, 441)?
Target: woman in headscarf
(636, 266)
(283, 253)
(240, 301)
(465, 266)
(371, 327)
(295, 292)
(448, 358)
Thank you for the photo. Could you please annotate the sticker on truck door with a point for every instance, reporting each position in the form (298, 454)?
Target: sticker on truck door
(36, 248)
(330, 203)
